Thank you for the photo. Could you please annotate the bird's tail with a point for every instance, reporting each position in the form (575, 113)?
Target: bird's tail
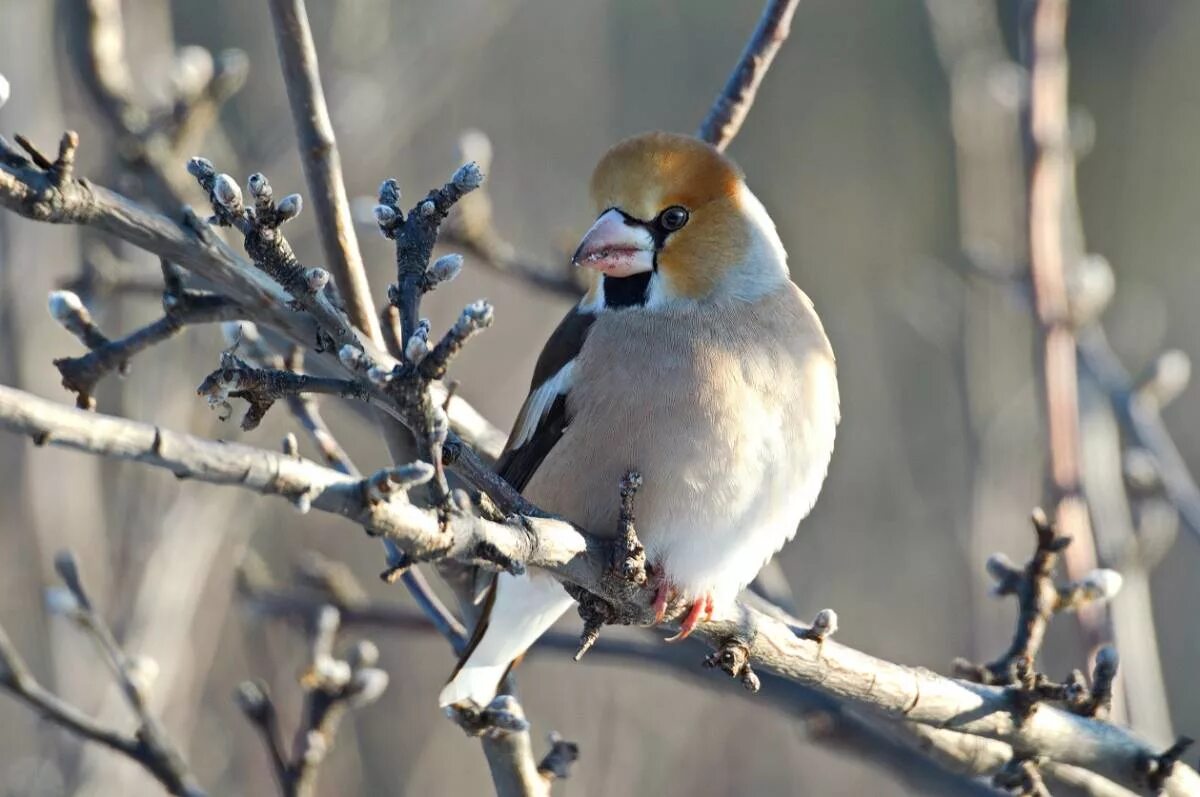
(518, 612)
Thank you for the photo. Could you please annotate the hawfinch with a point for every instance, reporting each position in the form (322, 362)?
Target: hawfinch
(692, 359)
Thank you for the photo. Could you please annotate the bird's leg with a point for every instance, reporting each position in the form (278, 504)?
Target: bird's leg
(700, 611)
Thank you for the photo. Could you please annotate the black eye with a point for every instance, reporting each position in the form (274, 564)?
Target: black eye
(673, 218)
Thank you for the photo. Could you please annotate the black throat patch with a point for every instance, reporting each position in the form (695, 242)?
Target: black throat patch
(627, 291)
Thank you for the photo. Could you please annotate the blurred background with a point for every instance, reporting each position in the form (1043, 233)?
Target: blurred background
(852, 148)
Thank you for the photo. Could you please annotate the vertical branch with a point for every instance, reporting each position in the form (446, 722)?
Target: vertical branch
(1044, 124)
(727, 114)
(322, 166)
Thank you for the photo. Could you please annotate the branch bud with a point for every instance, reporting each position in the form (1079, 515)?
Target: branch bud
(1168, 377)
(475, 316)
(379, 375)
(61, 601)
(192, 71)
(825, 624)
(226, 193)
(1102, 584)
(385, 215)
(416, 349)
(233, 66)
(252, 699)
(364, 654)
(446, 267)
(368, 684)
(142, 672)
(65, 306)
(351, 356)
(468, 177)
(260, 188)
(201, 168)
(289, 207)
(316, 279)
(389, 192)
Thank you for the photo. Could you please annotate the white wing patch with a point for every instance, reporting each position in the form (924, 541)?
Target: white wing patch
(540, 401)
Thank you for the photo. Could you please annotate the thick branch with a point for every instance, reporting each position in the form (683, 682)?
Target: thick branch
(571, 555)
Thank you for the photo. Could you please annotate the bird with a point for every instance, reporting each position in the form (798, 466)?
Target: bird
(693, 359)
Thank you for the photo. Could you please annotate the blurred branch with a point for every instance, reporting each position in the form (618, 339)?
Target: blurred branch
(1042, 34)
(150, 139)
(1140, 414)
(569, 554)
(1038, 600)
(727, 114)
(332, 686)
(472, 228)
(322, 164)
(150, 746)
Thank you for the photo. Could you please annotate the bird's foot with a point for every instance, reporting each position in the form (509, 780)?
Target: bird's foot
(662, 595)
(701, 611)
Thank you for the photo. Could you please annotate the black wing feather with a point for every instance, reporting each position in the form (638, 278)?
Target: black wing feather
(517, 465)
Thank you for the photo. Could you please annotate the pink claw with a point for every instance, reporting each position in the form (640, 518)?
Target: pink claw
(702, 609)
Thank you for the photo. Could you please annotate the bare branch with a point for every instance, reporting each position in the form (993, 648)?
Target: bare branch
(35, 193)
(332, 686)
(571, 555)
(729, 111)
(150, 747)
(1044, 124)
(1038, 599)
(180, 308)
(262, 387)
(150, 138)
(1140, 415)
(472, 228)
(322, 165)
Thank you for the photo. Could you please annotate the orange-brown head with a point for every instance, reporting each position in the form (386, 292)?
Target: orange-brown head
(676, 222)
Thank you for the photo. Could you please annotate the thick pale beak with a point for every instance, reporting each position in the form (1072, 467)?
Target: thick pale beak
(615, 247)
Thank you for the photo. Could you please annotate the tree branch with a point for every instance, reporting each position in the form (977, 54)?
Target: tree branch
(44, 195)
(727, 114)
(150, 747)
(571, 555)
(332, 686)
(1044, 124)
(180, 308)
(322, 165)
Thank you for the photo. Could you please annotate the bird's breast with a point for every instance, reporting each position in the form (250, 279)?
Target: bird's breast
(729, 414)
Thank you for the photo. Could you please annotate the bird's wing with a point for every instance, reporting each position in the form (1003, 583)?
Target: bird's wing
(518, 609)
(544, 417)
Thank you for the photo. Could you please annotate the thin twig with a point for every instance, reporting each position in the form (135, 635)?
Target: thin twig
(729, 111)
(322, 165)
(332, 686)
(181, 308)
(150, 747)
(1038, 600)
(1044, 124)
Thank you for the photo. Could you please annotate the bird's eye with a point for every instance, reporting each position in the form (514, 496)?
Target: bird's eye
(673, 218)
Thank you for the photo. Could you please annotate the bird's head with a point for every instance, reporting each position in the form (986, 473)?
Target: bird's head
(676, 223)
